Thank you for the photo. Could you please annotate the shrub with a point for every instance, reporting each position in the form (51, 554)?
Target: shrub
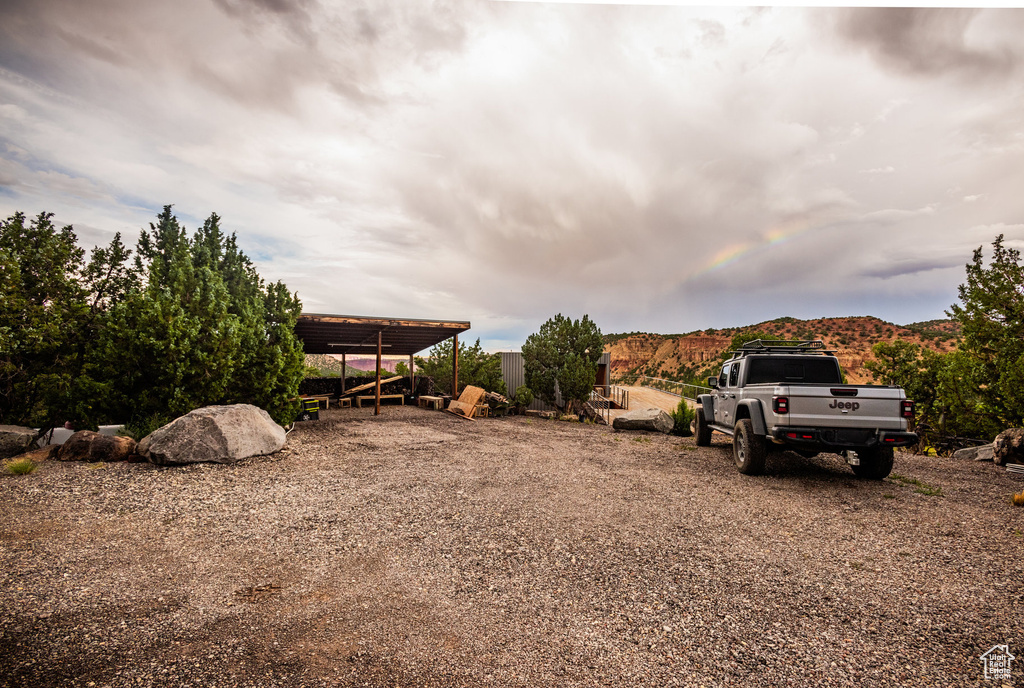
(19, 466)
(683, 416)
(1018, 499)
(523, 398)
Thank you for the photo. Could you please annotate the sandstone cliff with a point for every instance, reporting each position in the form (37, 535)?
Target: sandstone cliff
(679, 356)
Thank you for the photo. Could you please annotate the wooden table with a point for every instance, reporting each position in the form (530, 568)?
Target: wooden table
(436, 403)
(372, 397)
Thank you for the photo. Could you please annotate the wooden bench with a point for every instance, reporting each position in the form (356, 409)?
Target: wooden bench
(344, 402)
(436, 403)
(372, 397)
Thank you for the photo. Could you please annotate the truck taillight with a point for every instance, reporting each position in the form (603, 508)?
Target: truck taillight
(780, 404)
(907, 409)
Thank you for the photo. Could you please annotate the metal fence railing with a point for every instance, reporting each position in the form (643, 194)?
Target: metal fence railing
(618, 396)
(680, 389)
(602, 405)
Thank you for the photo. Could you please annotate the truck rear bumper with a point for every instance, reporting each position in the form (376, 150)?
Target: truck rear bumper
(842, 438)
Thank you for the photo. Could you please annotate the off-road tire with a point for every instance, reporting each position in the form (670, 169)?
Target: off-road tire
(875, 463)
(748, 449)
(701, 431)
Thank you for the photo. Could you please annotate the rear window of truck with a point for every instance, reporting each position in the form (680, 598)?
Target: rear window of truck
(822, 370)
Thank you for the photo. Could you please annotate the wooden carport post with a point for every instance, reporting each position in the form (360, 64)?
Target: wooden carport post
(412, 377)
(380, 342)
(344, 372)
(455, 368)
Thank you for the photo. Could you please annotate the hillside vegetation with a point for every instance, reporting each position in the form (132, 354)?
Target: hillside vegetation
(687, 356)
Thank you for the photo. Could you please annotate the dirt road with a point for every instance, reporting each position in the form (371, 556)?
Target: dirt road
(418, 549)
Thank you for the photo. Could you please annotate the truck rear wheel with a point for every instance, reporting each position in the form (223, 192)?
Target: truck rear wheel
(875, 463)
(748, 449)
(701, 432)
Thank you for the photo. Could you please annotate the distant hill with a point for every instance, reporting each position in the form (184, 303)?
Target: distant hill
(680, 356)
(331, 363)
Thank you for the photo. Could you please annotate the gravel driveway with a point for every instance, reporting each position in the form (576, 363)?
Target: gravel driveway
(418, 549)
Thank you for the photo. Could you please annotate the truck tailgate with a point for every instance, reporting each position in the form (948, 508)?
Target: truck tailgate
(846, 406)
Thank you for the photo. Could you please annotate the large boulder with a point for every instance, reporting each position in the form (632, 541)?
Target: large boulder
(980, 453)
(1008, 447)
(86, 445)
(652, 420)
(216, 434)
(14, 440)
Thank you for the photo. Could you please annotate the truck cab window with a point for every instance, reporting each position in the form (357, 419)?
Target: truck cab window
(734, 376)
(724, 377)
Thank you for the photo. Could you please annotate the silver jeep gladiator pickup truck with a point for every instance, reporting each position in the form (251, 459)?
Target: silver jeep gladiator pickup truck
(776, 395)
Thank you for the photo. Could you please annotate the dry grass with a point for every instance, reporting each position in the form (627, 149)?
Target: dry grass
(19, 466)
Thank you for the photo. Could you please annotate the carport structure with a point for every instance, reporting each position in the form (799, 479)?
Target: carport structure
(323, 333)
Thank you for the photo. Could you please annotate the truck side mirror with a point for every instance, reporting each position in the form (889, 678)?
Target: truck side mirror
(713, 382)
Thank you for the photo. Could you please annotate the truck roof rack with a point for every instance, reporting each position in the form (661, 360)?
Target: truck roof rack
(782, 346)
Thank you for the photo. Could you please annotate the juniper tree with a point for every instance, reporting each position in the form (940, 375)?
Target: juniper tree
(562, 358)
(984, 378)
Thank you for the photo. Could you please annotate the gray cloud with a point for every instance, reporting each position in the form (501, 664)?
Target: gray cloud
(664, 168)
(929, 42)
(913, 266)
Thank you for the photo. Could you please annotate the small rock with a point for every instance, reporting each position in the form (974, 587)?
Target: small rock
(982, 453)
(15, 439)
(86, 445)
(42, 454)
(1008, 447)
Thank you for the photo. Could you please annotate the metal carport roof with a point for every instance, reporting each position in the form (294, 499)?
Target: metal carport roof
(323, 333)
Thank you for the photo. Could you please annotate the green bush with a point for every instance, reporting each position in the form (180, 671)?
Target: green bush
(523, 398)
(683, 416)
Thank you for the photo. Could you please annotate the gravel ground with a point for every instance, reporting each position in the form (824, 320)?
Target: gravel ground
(418, 549)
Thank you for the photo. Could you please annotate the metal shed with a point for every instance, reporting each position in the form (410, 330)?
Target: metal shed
(513, 374)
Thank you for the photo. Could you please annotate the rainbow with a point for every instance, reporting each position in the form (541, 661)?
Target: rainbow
(779, 233)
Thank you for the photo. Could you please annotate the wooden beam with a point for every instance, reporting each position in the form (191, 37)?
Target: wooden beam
(344, 372)
(368, 385)
(376, 403)
(455, 368)
(412, 378)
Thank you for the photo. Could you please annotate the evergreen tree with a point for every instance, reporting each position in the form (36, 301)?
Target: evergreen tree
(41, 307)
(476, 367)
(562, 358)
(984, 378)
(203, 330)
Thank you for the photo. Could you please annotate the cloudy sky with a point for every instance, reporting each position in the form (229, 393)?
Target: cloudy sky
(660, 168)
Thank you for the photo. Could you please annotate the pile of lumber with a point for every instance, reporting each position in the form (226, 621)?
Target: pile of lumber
(493, 399)
(465, 405)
